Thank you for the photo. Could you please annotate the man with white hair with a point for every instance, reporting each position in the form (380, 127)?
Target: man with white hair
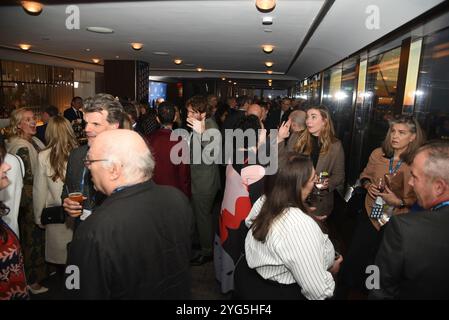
(136, 245)
(413, 259)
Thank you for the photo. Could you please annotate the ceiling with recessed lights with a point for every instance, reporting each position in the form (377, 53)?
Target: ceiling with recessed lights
(224, 38)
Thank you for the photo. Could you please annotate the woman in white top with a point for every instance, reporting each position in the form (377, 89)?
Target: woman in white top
(285, 244)
(10, 196)
(48, 184)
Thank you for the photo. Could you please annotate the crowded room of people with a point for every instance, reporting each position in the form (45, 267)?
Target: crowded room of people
(247, 150)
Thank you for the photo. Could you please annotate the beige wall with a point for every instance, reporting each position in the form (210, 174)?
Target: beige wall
(86, 83)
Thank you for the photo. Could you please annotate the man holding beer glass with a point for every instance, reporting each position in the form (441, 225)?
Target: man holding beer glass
(101, 113)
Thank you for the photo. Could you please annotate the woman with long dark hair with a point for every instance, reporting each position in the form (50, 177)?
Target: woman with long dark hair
(12, 275)
(291, 256)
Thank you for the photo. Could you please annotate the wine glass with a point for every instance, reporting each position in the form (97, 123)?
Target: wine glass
(319, 184)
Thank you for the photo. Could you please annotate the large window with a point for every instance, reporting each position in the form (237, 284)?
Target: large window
(432, 96)
(380, 98)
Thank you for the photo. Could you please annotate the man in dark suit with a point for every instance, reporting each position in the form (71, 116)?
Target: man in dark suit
(74, 113)
(102, 112)
(277, 116)
(136, 245)
(166, 172)
(49, 112)
(236, 114)
(413, 259)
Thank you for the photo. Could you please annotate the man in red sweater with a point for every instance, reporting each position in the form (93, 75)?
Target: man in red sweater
(165, 172)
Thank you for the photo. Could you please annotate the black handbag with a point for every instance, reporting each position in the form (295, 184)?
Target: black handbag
(52, 215)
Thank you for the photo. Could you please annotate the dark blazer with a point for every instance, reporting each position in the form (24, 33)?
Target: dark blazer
(71, 115)
(274, 118)
(136, 245)
(74, 177)
(205, 177)
(40, 133)
(413, 258)
(165, 172)
(233, 119)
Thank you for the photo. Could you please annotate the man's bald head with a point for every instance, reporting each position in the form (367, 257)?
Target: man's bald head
(255, 110)
(125, 160)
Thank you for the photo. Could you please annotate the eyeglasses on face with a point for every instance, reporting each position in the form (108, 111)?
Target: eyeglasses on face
(88, 162)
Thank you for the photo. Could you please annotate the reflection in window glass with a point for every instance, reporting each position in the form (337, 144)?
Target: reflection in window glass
(432, 96)
(380, 95)
(412, 77)
(35, 86)
(338, 91)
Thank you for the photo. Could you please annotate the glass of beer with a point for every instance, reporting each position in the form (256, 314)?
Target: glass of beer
(76, 195)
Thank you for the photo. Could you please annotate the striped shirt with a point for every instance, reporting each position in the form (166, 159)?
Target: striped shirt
(295, 251)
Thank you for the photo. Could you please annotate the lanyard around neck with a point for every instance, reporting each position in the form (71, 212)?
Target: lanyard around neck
(440, 205)
(396, 168)
(82, 179)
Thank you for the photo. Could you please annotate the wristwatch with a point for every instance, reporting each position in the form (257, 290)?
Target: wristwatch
(402, 204)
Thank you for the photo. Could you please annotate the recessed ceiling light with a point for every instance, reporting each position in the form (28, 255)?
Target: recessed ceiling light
(117, 57)
(160, 53)
(267, 21)
(31, 7)
(230, 81)
(137, 45)
(199, 69)
(265, 5)
(100, 30)
(24, 46)
(95, 60)
(177, 61)
(267, 48)
(235, 82)
(87, 49)
(223, 78)
(269, 64)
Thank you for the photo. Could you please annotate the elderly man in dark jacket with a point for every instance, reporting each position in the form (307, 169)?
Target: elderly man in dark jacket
(136, 245)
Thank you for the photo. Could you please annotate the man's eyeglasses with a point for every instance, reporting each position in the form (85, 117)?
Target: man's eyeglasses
(88, 162)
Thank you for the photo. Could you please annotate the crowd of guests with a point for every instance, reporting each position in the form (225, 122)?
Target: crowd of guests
(145, 220)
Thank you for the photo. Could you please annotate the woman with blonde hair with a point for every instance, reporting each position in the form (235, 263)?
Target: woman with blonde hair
(385, 178)
(48, 184)
(23, 144)
(327, 155)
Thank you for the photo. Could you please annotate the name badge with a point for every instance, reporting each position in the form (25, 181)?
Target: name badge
(86, 214)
